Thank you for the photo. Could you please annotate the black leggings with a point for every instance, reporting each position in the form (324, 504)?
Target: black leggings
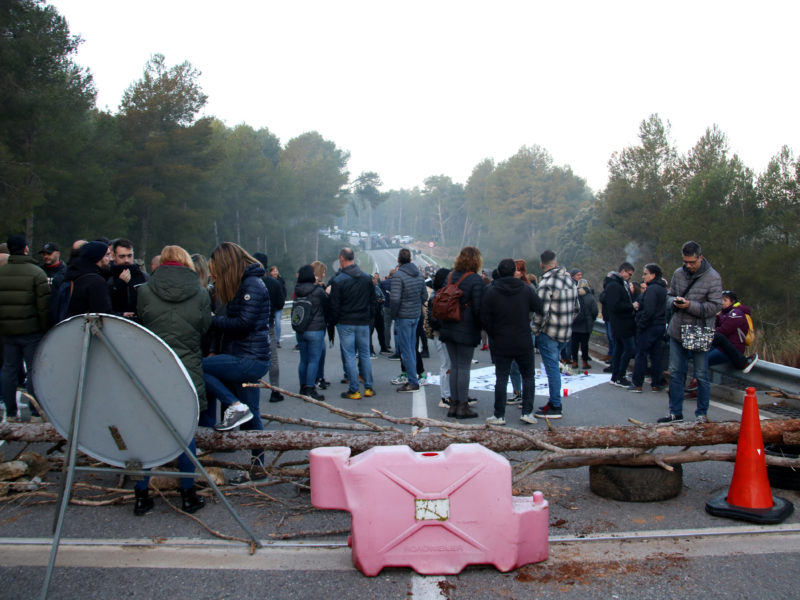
(460, 364)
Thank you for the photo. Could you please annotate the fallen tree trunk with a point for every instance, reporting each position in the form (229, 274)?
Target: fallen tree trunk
(497, 439)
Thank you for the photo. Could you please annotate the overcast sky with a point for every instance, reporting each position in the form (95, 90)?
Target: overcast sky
(419, 88)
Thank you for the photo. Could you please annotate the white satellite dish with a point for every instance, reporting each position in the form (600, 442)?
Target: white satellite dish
(118, 393)
(118, 426)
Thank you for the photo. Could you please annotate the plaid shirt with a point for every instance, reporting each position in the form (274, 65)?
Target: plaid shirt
(560, 296)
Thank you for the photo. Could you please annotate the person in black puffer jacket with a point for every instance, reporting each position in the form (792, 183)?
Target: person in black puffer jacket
(242, 328)
(462, 336)
(311, 342)
(651, 321)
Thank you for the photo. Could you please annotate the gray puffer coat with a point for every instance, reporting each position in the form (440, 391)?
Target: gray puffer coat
(408, 292)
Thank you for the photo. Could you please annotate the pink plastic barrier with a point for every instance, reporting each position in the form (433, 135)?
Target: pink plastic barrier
(435, 512)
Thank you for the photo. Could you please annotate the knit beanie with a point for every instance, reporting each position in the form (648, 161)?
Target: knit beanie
(93, 252)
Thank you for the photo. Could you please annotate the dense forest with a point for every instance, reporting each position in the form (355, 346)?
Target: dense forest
(157, 172)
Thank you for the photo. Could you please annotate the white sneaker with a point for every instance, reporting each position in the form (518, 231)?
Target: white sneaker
(423, 380)
(495, 421)
(400, 379)
(751, 362)
(528, 418)
(233, 418)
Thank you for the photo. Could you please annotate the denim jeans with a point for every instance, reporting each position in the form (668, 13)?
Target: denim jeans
(624, 350)
(224, 373)
(444, 367)
(311, 344)
(322, 356)
(355, 339)
(387, 327)
(16, 350)
(648, 344)
(678, 366)
(610, 338)
(502, 368)
(723, 350)
(406, 332)
(278, 314)
(550, 351)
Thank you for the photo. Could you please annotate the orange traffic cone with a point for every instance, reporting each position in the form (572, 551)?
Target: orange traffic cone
(749, 497)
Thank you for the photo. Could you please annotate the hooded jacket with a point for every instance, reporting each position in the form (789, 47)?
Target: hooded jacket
(619, 305)
(705, 297)
(175, 307)
(243, 329)
(24, 297)
(505, 314)
(732, 323)
(89, 289)
(408, 292)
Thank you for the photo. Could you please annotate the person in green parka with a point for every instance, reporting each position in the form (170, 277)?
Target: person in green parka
(174, 306)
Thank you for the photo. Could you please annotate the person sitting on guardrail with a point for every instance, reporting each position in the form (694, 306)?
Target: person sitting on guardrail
(731, 328)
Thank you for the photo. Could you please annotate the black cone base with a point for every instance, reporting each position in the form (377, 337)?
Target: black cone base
(720, 507)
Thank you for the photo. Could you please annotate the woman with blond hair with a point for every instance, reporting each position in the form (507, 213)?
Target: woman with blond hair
(174, 306)
(241, 328)
(461, 337)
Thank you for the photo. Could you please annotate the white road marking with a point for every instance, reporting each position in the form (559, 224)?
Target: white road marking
(184, 553)
(427, 587)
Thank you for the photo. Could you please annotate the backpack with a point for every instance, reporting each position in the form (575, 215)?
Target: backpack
(447, 301)
(302, 313)
(750, 336)
(59, 302)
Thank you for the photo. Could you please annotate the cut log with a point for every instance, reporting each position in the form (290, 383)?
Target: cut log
(12, 469)
(496, 439)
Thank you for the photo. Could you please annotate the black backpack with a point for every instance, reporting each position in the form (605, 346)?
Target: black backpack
(302, 314)
(59, 302)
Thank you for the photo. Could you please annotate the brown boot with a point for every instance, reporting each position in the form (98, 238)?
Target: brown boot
(463, 411)
(587, 365)
(574, 364)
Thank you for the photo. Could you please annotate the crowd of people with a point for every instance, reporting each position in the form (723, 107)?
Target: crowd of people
(222, 316)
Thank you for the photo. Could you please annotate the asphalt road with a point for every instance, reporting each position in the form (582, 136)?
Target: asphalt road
(598, 548)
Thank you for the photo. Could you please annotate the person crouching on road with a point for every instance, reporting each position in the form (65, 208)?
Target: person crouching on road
(174, 306)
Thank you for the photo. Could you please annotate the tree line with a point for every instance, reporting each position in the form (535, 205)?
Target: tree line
(157, 172)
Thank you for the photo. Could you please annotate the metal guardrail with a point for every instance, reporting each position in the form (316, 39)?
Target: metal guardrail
(763, 375)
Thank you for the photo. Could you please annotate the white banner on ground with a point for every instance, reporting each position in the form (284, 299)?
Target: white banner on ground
(484, 379)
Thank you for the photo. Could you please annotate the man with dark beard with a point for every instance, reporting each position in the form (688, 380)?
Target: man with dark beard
(126, 276)
(87, 275)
